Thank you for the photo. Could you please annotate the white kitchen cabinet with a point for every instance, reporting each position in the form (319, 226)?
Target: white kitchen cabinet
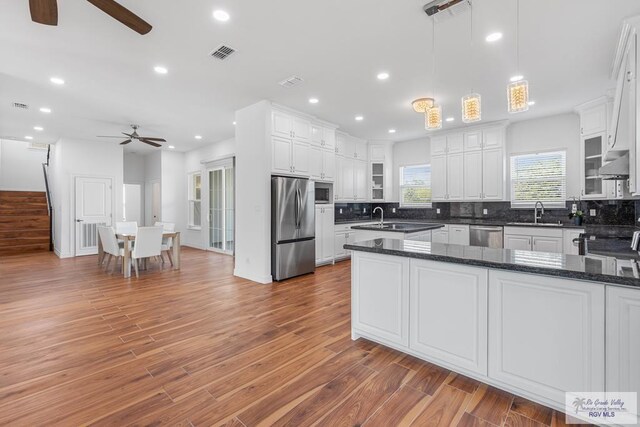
(593, 119)
(455, 173)
(289, 156)
(439, 178)
(321, 164)
(360, 149)
(344, 144)
(328, 165)
(473, 175)
(380, 297)
(623, 340)
(325, 234)
(517, 242)
(547, 244)
(473, 141)
(455, 143)
(456, 301)
(347, 175)
(493, 176)
(440, 235)
(439, 146)
(493, 137)
(352, 182)
(592, 148)
(289, 126)
(360, 180)
(459, 235)
(547, 334)
(301, 129)
(340, 239)
(568, 246)
(534, 239)
(323, 137)
(300, 157)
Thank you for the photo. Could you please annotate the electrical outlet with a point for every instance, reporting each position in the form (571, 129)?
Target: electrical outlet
(340, 210)
(574, 208)
(364, 210)
(393, 210)
(485, 211)
(438, 211)
(592, 212)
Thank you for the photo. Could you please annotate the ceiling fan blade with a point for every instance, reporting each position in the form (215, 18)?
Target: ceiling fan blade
(44, 11)
(125, 142)
(122, 14)
(146, 141)
(130, 135)
(153, 139)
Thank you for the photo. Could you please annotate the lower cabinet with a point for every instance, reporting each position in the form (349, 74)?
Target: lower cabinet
(547, 334)
(459, 235)
(623, 340)
(325, 234)
(440, 235)
(448, 314)
(534, 239)
(380, 297)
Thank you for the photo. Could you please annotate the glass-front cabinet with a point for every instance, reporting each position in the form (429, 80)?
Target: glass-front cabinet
(377, 181)
(592, 157)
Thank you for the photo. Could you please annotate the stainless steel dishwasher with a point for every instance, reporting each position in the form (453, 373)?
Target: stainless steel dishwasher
(486, 236)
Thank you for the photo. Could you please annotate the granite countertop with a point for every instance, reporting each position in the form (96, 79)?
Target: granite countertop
(400, 227)
(607, 269)
(462, 221)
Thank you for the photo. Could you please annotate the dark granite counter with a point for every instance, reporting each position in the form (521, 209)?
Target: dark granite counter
(470, 221)
(602, 269)
(399, 227)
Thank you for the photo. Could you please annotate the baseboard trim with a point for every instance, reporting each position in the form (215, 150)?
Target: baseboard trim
(265, 280)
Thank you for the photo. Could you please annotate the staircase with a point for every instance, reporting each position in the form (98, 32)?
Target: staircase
(24, 222)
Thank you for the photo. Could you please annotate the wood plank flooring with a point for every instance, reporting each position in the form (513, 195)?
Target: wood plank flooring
(200, 347)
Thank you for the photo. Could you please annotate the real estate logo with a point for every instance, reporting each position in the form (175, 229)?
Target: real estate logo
(604, 408)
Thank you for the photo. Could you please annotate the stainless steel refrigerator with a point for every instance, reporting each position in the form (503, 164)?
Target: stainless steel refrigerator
(293, 227)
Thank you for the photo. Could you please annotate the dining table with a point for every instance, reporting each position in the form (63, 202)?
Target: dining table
(128, 238)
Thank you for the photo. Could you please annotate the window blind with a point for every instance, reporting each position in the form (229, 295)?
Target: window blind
(415, 185)
(539, 177)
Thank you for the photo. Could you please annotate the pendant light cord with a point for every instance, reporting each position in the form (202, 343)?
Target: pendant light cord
(471, 38)
(518, 36)
(433, 59)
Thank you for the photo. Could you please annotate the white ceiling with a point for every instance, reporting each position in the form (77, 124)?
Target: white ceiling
(336, 46)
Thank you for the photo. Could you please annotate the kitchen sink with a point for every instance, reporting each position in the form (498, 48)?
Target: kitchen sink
(540, 224)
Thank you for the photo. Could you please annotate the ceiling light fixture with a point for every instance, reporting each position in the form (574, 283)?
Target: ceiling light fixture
(160, 69)
(171, 147)
(56, 81)
(518, 89)
(221, 15)
(313, 100)
(392, 131)
(45, 110)
(198, 137)
(421, 105)
(359, 118)
(531, 102)
(38, 128)
(234, 123)
(449, 119)
(383, 76)
(493, 37)
(29, 137)
(471, 103)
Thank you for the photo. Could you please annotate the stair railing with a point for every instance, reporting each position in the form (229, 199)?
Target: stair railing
(45, 168)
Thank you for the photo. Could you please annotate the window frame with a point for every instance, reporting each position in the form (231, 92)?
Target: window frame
(402, 205)
(555, 204)
(192, 200)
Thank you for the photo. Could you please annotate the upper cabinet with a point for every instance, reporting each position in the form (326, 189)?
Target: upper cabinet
(323, 137)
(593, 119)
(289, 126)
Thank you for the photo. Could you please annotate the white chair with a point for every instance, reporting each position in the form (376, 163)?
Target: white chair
(126, 227)
(148, 244)
(167, 242)
(110, 246)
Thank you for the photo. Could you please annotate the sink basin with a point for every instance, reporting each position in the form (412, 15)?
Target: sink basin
(540, 224)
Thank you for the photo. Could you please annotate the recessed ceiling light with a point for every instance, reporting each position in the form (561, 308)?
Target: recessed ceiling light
(45, 110)
(516, 78)
(531, 102)
(160, 69)
(221, 15)
(383, 76)
(392, 131)
(493, 37)
(313, 100)
(449, 119)
(198, 136)
(28, 137)
(171, 147)
(56, 81)
(359, 118)
(38, 128)
(234, 123)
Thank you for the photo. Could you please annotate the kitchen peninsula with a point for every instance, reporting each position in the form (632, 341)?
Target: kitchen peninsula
(536, 324)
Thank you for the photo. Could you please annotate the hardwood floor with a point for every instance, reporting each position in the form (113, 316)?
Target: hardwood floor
(199, 346)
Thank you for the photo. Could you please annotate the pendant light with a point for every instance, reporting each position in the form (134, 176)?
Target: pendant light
(518, 90)
(471, 103)
(433, 116)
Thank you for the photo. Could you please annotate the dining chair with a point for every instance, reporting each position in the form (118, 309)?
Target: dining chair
(167, 242)
(126, 227)
(110, 246)
(148, 244)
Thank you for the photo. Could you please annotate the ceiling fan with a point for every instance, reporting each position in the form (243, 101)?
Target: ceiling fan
(134, 136)
(46, 12)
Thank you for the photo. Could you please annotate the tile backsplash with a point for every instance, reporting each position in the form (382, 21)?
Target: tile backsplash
(607, 212)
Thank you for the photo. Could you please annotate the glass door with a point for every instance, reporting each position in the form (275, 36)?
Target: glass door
(221, 209)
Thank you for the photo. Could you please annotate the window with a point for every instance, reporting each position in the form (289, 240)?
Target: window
(415, 186)
(539, 177)
(194, 193)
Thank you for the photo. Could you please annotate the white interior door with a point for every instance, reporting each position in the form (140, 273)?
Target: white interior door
(222, 209)
(132, 200)
(93, 208)
(152, 206)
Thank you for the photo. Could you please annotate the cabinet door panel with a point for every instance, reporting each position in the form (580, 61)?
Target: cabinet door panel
(380, 296)
(513, 241)
(328, 165)
(593, 120)
(329, 139)
(360, 176)
(319, 228)
(547, 334)
(348, 191)
(360, 149)
(459, 235)
(439, 146)
(473, 141)
(547, 244)
(315, 162)
(439, 178)
(301, 129)
(338, 244)
(281, 124)
(337, 185)
(317, 135)
(455, 180)
(492, 174)
(300, 157)
(327, 234)
(439, 236)
(281, 155)
(493, 138)
(455, 143)
(473, 175)
(455, 299)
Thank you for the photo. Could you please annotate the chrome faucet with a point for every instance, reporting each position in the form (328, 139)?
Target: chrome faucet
(535, 212)
(381, 214)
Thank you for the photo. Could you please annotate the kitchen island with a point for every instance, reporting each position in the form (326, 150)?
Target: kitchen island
(535, 324)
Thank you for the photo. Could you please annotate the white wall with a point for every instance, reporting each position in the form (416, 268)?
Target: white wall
(152, 173)
(253, 193)
(134, 168)
(174, 189)
(73, 158)
(414, 152)
(196, 161)
(21, 167)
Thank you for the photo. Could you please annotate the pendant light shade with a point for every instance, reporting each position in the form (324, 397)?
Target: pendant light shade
(471, 108)
(421, 105)
(518, 96)
(433, 118)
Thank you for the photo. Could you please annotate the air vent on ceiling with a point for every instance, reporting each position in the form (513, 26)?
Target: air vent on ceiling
(223, 52)
(38, 146)
(291, 81)
(20, 105)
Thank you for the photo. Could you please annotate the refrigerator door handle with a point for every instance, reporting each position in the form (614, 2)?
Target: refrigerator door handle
(299, 199)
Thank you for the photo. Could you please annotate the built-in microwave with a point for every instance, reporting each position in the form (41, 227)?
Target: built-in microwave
(324, 193)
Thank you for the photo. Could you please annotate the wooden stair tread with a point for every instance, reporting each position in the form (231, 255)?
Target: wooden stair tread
(24, 222)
